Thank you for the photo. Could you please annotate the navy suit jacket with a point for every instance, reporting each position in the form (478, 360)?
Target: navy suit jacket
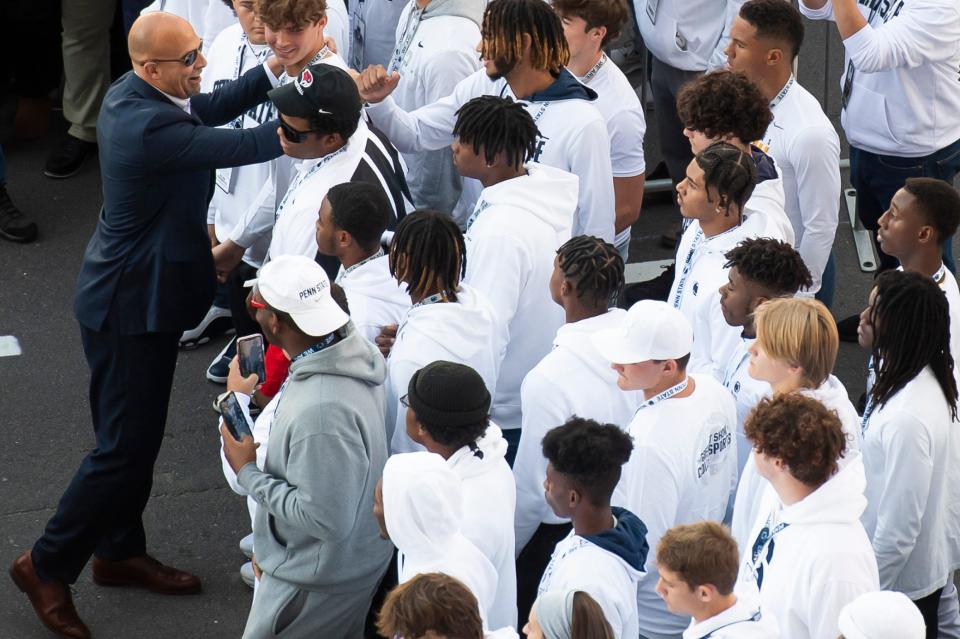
(148, 266)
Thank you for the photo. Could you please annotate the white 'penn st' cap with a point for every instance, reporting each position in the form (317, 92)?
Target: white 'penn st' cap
(650, 330)
(298, 286)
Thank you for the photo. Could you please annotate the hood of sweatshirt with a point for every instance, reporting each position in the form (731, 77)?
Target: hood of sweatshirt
(766, 167)
(833, 395)
(422, 504)
(627, 540)
(575, 338)
(469, 9)
(373, 280)
(565, 87)
(490, 449)
(353, 356)
(838, 501)
(547, 193)
(463, 328)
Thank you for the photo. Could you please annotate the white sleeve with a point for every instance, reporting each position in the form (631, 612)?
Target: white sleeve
(815, 156)
(496, 267)
(541, 411)
(718, 59)
(908, 472)
(823, 13)
(590, 160)
(627, 129)
(925, 31)
(257, 220)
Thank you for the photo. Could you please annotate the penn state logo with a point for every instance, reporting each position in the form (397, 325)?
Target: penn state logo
(696, 287)
(736, 388)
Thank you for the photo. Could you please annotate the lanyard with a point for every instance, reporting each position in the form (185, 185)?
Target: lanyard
(303, 177)
(321, 54)
(940, 274)
(351, 269)
(325, 343)
(595, 69)
(687, 265)
(482, 206)
(539, 113)
(783, 92)
(667, 394)
(238, 68)
(409, 33)
(436, 298)
(754, 617)
(764, 540)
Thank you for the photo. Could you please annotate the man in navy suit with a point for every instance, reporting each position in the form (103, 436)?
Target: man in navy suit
(146, 276)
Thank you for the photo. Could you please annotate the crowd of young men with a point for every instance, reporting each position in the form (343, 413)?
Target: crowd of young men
(436, 263)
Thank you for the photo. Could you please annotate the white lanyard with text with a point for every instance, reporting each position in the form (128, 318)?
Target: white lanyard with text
(783, 92)
(595, 69)
(409, 33)
(687, 265)
(351, 269)
(667, 394)
(436, 298)
(482, 205)
(301, 178)
(321, 54)
(754, 618)
(238, 68)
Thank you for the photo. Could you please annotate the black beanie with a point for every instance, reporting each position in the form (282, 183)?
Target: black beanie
(448, 394)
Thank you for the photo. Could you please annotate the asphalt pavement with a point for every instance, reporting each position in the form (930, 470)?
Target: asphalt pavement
(193, 520)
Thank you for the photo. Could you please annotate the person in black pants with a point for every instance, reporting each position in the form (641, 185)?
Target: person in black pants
(147, 274)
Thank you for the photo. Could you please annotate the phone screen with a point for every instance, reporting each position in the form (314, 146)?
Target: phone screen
(250, 356)
(233, 417)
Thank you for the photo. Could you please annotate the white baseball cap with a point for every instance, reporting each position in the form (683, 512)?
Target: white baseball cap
(650, 330)
(882, 615)
(299, 287)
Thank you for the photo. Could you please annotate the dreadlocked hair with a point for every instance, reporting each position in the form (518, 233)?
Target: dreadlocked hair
(594, 266)
(506, 21)
(428, 254)
(730, 171)
(773, 264)
(903, 302)
(497, 125)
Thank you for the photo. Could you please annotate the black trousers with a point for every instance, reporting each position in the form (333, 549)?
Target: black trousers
(101, 511)
(929, 607)
(531, 563)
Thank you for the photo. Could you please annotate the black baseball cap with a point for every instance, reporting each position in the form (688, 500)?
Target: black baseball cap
(320, 89)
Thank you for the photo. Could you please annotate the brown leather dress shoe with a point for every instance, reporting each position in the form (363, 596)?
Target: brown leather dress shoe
(51, 600)
(144, 572)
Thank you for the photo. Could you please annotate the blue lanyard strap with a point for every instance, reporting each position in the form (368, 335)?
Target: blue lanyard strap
(764, 540)
(409, 33)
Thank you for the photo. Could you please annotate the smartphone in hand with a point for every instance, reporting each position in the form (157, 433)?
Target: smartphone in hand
(250, 353)
(233, 417)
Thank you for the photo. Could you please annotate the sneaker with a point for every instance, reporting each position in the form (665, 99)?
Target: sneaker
(847, 328)
(67, 160)
(246, 546)
(220, 367)
(246, 574)
(14, 224)
(216, 322)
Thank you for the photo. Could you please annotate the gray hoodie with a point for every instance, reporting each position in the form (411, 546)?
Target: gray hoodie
(314, 525)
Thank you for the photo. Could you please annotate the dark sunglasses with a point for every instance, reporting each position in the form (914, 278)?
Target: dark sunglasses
(188, 60)
(293, 135)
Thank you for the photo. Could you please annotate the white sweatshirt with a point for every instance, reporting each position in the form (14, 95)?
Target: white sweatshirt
(739, 621)
(746, 391)
(908, 462)
(423, 511)
(440, 52)
(687, 34)
(806, 148)
(748, 502)
(575, 139)
(765, 214)
(489, 498)
(606, 566)
(465, 332)
(682, 470)
(374, 296)
(373, 26)
(573, 379)
(822, 559)
(905, 90)
(517, 227)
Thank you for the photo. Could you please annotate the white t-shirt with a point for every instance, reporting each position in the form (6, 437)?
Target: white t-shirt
(806, 148)
(682, 470)
(905, 90)
(739, 621)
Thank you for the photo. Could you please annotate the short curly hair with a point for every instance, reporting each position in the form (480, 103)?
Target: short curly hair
(590, 454)
(806, 435)
(431, 604)
(612, 14)
(773, 264)
(277, 14)
(724, 103)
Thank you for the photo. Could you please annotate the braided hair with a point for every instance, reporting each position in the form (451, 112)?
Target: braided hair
(730, 171)
(773, 264)
(428, 253)
(906, 301)
(497, 125)
(594, 266)
(506, 21)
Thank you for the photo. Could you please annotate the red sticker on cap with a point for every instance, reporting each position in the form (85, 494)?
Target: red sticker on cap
(306, 78)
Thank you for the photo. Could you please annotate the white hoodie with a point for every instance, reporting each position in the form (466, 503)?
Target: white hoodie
(573, 379)
(908, 460)
(464, 332)
(518, 225)
(822, 559)
(687, 34)
(905, 90)
(748, 504)
(374, 296)
(489, 498)
(423, 512)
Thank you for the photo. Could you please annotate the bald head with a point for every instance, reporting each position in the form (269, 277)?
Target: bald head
(160, 35)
